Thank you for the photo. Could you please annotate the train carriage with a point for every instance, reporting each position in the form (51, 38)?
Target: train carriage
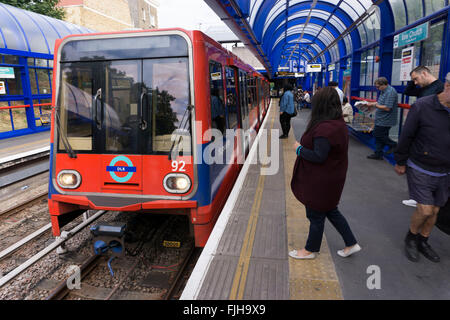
(132, 119)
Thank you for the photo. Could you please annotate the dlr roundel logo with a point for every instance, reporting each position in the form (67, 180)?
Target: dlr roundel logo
(113, 169)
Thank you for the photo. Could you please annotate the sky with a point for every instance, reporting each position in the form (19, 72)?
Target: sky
(187, 14)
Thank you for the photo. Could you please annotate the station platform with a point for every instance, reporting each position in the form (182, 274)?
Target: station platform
(23, 146)
(246, 256)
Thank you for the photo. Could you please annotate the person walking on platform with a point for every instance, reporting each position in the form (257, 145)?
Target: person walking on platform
(423, 153)
(286, 110)
(428, 84)
(385, 118)
(319, 173)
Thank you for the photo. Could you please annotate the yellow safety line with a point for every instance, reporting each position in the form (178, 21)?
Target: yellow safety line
(240, 277)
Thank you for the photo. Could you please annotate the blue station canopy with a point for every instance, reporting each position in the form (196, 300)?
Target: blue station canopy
(280, 32)
(31, 32)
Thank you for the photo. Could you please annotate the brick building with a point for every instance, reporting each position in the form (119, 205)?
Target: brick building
(112, 15)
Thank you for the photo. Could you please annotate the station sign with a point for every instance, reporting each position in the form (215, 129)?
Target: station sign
(316, 67)
(285, 74)
(299, 74)
(7, 73)
(406, 65)
(412, 35)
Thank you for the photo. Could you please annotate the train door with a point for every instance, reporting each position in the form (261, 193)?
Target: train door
(119, 124)
(244, 107)
(233, 110)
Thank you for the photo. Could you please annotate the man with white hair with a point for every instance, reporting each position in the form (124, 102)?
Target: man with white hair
(423, 153)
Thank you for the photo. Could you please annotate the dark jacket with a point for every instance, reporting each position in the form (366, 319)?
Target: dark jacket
(433, 88)
(319, 185)
(425, 137)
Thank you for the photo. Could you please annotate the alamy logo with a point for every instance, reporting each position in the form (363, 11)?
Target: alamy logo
(223, 145)
(74, 281)
(374, 280)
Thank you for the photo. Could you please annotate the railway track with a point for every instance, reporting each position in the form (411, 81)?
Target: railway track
(160, 282)
(148, 271)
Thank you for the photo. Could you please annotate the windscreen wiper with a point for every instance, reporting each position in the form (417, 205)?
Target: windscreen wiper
(65, 141)
(188, 108)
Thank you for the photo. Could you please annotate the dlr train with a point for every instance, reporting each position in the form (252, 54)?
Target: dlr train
(136, 115)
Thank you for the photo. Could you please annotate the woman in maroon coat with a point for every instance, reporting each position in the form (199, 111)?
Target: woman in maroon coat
(319, 173)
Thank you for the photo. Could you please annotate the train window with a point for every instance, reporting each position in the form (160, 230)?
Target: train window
(121, 96)
(75, 101)
(167, 84)
(125, 48)
(243, 93)
(216, 90)
(231, 101)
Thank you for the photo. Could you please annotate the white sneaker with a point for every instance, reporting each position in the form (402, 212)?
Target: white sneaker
(353, 250)
(294, 254)
(410, 203)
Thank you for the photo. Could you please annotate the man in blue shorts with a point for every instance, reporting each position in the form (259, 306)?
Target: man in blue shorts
(423, 152)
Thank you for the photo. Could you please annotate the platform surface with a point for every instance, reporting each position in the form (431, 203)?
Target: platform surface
(17, 147)
(249, 259)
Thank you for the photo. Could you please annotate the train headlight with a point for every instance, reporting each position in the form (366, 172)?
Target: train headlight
(177, 183)
(69, 179)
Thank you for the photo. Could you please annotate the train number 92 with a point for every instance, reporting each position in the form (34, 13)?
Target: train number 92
(178, 166)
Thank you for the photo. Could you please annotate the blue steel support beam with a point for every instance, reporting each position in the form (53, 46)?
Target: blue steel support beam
(276, 53)
(303, 6)
(386, 41)
(231, 15)
(270, 40)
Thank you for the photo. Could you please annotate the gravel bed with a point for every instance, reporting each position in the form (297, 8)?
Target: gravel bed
(53, 267)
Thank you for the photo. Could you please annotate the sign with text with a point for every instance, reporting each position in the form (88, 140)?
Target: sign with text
(2, 87)
(7, 73)
(406, 65)
(316, 67)
(412, 35)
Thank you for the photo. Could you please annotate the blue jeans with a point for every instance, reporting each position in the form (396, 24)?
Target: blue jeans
(317, 224)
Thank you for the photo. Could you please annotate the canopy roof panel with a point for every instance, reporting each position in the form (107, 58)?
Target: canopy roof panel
(28, 31)
(278, 31)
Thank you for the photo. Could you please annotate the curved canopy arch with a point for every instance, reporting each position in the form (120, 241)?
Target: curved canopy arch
(316, 28)
(317, 47)
(340, 26)
(28, 31)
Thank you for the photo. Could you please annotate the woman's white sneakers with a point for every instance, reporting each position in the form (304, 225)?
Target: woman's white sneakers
(313, 255)
(353, 250)
(294, 254)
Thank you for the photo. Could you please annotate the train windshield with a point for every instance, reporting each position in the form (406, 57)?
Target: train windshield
(116, 97)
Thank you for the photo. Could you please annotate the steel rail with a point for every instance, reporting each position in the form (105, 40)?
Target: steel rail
(65, 236)
(24, 241)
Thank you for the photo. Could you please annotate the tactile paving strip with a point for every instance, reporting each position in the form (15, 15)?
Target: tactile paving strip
(308, 279)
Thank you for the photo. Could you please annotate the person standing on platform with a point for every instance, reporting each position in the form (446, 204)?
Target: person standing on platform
(334, 85)
(385, 118)
(347, 111)
(423, 153)
(286, 110)
(320, 171)
(428, 84)
(307, 100)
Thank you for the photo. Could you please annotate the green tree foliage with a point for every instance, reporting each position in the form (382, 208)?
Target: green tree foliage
(45, 7)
